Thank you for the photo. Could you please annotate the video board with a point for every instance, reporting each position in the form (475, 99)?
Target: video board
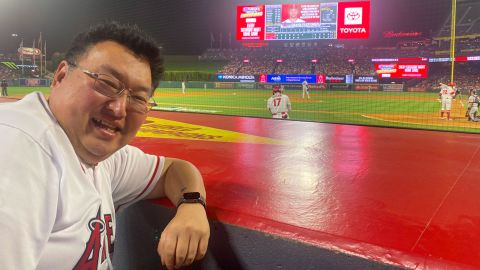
(309, 21)
(400, 70)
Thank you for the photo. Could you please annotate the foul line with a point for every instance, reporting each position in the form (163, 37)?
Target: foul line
(393, 121)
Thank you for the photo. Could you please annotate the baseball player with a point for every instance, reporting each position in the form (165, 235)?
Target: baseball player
(4, 85)
(473, 104)
(446, 95)
(183, 87)
(279, 104)
(469, 103)
(58, 203)
(305, 89)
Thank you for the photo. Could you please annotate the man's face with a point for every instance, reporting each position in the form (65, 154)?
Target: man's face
(293, 12)
(97, 125)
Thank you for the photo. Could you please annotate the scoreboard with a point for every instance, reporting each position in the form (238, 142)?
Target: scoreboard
(304, 21)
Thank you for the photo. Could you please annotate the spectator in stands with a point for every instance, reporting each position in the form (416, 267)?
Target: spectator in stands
(60, 200)
(4, 88)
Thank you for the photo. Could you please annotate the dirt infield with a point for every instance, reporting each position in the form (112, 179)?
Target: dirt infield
(9, 99)
(429, 119)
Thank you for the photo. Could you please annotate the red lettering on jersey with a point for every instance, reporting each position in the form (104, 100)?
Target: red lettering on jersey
(90, 256)
(276, 102)
(104, 251)
(108, 223)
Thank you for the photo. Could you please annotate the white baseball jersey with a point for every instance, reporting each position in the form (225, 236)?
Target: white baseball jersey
(446, 92)
(55, 211)
(279, 105)
(293, 21)
(305, 86)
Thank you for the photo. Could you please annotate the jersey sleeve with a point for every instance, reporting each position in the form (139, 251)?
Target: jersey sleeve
(134, 175)
(270, 104)
(29, 186)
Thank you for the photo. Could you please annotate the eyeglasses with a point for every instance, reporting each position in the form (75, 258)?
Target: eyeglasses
(112, 87)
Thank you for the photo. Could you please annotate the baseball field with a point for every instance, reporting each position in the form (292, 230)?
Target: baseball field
(390, 109)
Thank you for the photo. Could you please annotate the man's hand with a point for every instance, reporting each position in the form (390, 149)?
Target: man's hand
(185, 238)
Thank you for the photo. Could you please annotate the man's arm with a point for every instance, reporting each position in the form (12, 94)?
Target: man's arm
(185, 238)
(28, 200)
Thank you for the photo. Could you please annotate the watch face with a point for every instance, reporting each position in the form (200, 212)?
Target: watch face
(191, 195)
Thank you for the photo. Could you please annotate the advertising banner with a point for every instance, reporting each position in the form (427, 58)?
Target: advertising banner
(353, 20)
(291, 78)
(29, 51)
(335, 79)
(366, 87)
(236, 78)
(365, 79)
(399, 70)
(250, 22)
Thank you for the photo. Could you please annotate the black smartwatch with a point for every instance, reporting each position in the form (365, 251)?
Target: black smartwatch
(192, 197)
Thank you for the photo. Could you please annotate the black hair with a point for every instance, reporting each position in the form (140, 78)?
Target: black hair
(130, 36)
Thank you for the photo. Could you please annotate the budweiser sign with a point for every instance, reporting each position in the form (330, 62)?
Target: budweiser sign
(391, 34)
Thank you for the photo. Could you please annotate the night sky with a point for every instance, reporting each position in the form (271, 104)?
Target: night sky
(180, 26)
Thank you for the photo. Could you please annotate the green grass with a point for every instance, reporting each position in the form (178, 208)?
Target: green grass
(21, 91)
(406, 110)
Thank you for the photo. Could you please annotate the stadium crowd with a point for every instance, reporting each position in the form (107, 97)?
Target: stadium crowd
(333, 60)
(7, 73)
(329, 60)
(466, 76)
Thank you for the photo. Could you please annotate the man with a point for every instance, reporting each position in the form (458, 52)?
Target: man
(4, 88)
(446, 95)
(473, 106)
(470, 103)
(183, 87)
(278, 104)
(67, 169)
(294, 15)
(305, 89)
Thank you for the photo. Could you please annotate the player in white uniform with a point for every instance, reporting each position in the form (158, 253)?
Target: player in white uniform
(67, 169)
(305, 89)
(183, 87)
(446, 95)
(278, 104)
